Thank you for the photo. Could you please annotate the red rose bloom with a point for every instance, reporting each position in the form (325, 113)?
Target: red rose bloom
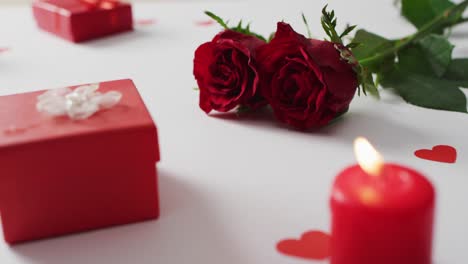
(305, 80)
(226, 72)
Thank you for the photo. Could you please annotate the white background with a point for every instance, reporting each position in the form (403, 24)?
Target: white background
(230, 187)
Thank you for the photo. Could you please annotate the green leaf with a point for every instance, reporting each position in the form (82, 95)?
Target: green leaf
(438, 51)
(329, 22)
(416, 80)
(371, 45)
(431, 56)
(369, 86)
(304, 19)
(420, 12)
(413, 59)
(425, 91)
(239, 28)
(217, 19)
(347, 30)
(366, 81)
(272, 35)
(458, 72)
(439, 6)
(246, 30)
(353, 45)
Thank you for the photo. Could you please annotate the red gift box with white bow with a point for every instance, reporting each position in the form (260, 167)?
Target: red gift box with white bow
(75, 159)
(81, 20)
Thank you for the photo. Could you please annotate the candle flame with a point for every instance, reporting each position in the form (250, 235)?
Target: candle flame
(368, 157)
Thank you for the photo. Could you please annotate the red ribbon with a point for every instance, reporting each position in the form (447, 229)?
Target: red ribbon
(102, 4)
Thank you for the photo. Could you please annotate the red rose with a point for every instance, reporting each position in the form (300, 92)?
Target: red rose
(305, 80)
(226, 72)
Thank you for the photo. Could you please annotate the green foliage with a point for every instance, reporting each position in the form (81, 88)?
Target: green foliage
(420, 12)
(244, 29)
(366, 81)
(304, 19)
(347, 30)
(329, 22)
(372, 45)
(431, 55)
(458, 72)
(419, 67)
(216, 18)
(364, 75)
(418, 77)
(426, 91)
(272, 35)
(438, 51)
(412, 59)
(353, 45)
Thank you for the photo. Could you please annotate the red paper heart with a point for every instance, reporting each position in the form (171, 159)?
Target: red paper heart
(440, 153)
(312, 245)
(204, 23)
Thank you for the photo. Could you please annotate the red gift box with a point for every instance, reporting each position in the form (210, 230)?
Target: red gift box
(60, 175)
(81, 20)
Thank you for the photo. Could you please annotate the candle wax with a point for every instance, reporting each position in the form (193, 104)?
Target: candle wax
(385, 219)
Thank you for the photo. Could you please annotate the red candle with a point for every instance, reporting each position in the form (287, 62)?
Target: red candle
(381, 213)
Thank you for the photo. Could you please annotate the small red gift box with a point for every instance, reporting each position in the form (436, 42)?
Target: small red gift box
(81, 20)
(61, 175)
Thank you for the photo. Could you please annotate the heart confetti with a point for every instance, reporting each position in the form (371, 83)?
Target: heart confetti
(204, 23)
(314, 245)
(439, 153)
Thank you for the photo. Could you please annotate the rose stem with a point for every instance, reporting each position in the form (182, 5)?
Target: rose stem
(440, 22)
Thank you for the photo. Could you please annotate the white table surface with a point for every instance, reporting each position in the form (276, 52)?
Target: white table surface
(231, 188)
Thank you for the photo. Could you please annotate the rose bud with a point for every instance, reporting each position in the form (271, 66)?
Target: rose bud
(305, 80)
(226, 72)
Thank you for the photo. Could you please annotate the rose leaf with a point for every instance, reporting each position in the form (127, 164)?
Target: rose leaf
(420, 12)
(371, 45)
(438, 50)
(458, 72)
(413, 59)
(425, 91)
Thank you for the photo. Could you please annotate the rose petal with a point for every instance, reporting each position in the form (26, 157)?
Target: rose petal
(225, 71)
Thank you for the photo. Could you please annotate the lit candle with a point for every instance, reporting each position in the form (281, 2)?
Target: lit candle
(381, 213)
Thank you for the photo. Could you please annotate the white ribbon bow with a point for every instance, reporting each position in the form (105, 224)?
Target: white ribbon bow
(77, 104)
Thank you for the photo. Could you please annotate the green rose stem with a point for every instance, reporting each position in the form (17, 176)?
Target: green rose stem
(440, 22)
(460, 21)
